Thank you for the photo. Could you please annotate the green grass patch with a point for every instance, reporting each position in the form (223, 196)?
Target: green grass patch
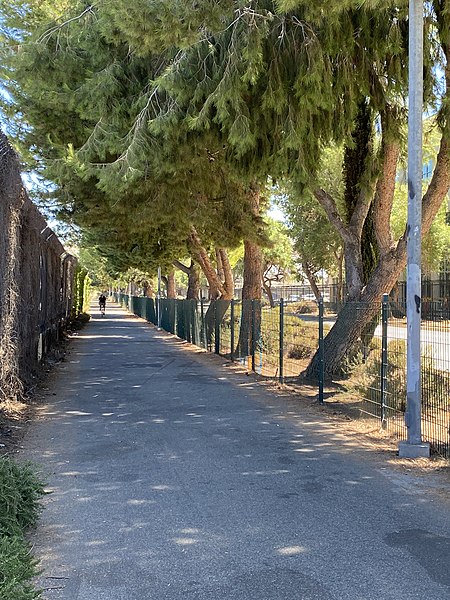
(20, 492)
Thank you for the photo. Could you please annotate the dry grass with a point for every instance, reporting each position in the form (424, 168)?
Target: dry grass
(13, 417)
(13, 410)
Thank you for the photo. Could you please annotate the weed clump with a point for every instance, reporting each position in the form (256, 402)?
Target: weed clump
(20, 492)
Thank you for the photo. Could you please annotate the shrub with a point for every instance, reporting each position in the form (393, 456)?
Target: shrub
(305, 307)
(301, 338)
(299, 351)
(17, 569)
(366, 374)
(20, 491)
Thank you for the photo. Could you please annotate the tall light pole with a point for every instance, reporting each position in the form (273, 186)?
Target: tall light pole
(414, 447)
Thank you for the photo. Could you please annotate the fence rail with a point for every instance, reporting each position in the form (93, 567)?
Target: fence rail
(435, 293)
(279, 342)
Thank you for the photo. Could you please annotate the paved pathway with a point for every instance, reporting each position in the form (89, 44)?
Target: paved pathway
(174, 477)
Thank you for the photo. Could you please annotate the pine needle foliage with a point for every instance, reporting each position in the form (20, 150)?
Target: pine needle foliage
(281, 85)
(95, 113)
(151, 116)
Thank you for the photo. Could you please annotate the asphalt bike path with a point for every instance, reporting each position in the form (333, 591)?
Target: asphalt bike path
(173, 476)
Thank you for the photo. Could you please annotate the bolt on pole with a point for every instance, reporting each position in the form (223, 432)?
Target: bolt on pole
(414, 447)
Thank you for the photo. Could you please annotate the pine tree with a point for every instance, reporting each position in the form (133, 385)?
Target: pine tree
(138, 109)
(89, 103)
(284, 85)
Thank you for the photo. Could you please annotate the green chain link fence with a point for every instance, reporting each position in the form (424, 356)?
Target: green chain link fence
(279, 342)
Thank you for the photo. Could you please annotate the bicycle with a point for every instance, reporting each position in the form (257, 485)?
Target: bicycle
(102, 309)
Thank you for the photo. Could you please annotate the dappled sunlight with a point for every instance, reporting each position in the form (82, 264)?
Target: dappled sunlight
(76, 473)
(290, 550)
(135, 526)
(233, 479)
(85, 499)
(265, 473)
(95, 543)
(185, 541)
(136, 502)
(102, 336)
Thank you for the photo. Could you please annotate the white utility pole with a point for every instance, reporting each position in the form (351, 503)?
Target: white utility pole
(414, 447)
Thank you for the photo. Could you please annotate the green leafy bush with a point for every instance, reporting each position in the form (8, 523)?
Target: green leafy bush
(20, 492)
(366, 376)
(17, 569)
(301, 338)
(307, 307)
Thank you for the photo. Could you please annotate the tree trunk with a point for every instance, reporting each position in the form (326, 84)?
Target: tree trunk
(312, 280)
(148, 291)
(227, 274)
(392, 261)
(193, 273)
(268, 290)
(340, 279)
(220, 269)
(193, 282)
(222, 297)
(252, 288)
(170, 282)
(217, 287)
(398, 307)
(358, 160)
(356, 316)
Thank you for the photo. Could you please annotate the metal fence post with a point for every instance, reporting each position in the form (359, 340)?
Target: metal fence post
(253, 345)
(216, 330)
(232, 331)
(194, 321)
(202, 325)
(384, 356)
(175, 317)
(187, 321)
(321, 352)
(281, 340)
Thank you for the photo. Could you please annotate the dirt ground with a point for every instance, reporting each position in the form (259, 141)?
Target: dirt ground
(340, 410)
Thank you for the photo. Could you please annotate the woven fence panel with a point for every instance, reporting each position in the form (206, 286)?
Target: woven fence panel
(36, 281)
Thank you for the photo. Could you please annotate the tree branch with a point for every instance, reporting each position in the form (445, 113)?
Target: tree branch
(360, 212)
(179, 265)
(439, 184)
(215, 285)
(228, 274)
(328, 204)
(44, 37)
(384, 195)
(440, 181)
